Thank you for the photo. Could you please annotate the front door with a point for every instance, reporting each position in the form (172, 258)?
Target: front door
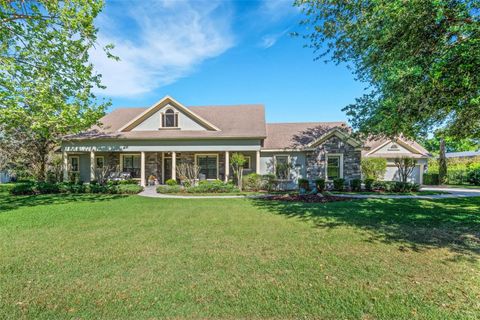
(167, 169)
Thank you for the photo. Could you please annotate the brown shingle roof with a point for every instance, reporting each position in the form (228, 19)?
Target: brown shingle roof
(237, 121)
(284, 135)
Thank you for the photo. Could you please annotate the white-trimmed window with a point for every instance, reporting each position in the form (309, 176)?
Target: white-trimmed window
(170, 119)
(208, 164)
(74, 162)
(131, 163)
(248, 163)
(334, 167)
(99, 162)
(282, 167)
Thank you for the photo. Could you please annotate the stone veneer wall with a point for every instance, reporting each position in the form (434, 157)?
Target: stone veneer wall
(316, 164)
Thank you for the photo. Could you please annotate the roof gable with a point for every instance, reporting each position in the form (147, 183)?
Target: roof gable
(339, 134)
(396, 147)
(146, 120)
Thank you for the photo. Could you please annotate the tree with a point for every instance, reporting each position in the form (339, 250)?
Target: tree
(238, 161)
(405, 167)
(188, 172)
(374, 168)
(432, 144)
(47, 82)
(420, 60)
(442, 163)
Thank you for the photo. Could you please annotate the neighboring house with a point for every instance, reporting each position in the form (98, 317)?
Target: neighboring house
(152, 141)
(463, 154)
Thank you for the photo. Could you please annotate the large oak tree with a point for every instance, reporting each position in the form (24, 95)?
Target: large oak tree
(421, 60)
(46, 80)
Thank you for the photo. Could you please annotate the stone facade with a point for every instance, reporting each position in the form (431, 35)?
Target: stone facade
(316, 160)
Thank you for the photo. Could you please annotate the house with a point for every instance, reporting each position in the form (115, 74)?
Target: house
(4, 177)
(463, 154)
(152, 141)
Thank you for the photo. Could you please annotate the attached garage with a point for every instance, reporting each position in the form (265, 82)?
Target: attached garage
(399, 148)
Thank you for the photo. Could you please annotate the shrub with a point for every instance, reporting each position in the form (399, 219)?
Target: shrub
(26, 188)
(431, 179)
(474, 176)
(303, 184)
(253, 182)
(385, 186)
(320, 184)
(171, 182)
(356, 184)
(373, 168)
(6, 187)
(369, 184)
(214, 186)
(170, 189)
(405, 187)
(128, 189)
(270, 182)
(68, 187)
(46, 188)
(338, 184)
(96, 188)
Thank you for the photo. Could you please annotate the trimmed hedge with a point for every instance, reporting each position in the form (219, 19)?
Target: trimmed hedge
(431, 179)
(34, 188)
(338, 184)
(215, 186)
(369, 184)
(320, 184)
(356, 184)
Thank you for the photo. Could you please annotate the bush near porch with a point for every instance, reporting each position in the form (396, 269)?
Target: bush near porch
(215, 186)
(113, 187)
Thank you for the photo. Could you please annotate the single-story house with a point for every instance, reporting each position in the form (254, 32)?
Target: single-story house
(152, 141)
(4, 177)
(462, 154)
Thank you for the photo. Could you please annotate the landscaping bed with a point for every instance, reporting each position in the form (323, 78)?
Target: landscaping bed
(311, 198)
(111, 187)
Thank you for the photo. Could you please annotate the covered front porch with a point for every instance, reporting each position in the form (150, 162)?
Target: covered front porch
(162, 166)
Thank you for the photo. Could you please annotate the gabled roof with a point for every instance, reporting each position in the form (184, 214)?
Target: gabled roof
(237, 121)
(290, 135)
(337, 133)
(372, 145)
(160, 104)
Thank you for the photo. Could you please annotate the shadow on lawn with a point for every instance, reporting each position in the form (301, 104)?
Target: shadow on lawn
(9, 202)
(420, 224)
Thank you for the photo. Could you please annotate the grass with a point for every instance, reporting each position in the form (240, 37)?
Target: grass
(462, 186)
(418, 193)
(128, 257)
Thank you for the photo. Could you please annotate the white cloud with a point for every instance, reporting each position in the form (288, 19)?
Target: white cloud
(276, 10)
(269, 40)
(159, 42)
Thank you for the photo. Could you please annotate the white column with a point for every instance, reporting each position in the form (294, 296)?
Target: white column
(142, 169)
(174, 165)
(163, 167)
(65, 166)
(257, 162)
(93, 165)
(227, 165)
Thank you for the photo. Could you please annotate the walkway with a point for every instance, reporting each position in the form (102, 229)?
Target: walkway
(453, 193)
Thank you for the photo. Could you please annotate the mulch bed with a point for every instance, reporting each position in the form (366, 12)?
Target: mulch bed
(311, 198)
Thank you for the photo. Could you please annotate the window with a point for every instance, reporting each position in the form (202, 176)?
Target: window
(99, 161)
(282, 167)
(208, 166)
(333, 167)
(74, 164)
(170, 119)
(247, 163)
(131, 164)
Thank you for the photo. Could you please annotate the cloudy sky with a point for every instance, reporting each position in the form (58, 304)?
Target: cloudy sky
(216, 53)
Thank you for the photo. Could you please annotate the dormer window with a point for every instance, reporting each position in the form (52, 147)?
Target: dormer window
(170, 119)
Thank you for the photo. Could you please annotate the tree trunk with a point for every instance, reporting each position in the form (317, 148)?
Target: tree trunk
(442, 163)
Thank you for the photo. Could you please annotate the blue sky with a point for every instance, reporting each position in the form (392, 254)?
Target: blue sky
(217, 53)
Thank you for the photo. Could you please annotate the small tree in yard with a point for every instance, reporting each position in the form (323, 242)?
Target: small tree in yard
(238, 161)
(374, 168)
(442, 163)
(405, 167)
(188, 172)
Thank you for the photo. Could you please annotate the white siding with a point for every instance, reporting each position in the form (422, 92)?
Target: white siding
(154, 121)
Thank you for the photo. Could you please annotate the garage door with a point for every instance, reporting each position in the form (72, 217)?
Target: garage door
(392, 174)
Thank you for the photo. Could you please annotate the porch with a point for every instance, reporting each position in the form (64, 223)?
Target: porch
(161, 165)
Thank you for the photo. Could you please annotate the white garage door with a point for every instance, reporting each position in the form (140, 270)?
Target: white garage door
(392, 174)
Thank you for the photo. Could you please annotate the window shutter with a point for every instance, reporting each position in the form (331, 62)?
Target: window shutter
(176, 120)
(163, 120)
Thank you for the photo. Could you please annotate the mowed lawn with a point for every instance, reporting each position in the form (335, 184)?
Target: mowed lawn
(115, 257)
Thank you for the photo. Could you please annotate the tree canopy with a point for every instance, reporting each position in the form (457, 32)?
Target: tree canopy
(420, 59)
(46, 79)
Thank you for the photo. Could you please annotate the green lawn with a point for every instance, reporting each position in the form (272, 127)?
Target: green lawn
(115, 257)
(418, 193)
